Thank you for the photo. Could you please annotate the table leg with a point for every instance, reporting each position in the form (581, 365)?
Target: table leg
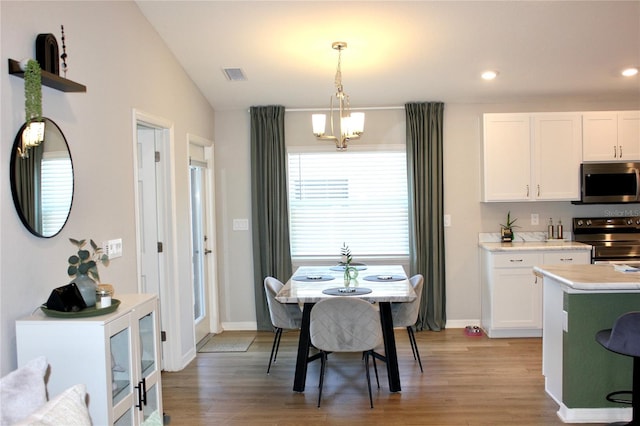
(390, 347)
(303, 350)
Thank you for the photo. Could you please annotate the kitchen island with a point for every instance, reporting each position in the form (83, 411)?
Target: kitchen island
(578, 301)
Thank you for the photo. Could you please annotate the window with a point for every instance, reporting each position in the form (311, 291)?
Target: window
(56, 191)
(357, 198)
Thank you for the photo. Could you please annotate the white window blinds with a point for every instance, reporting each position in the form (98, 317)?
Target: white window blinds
(357, 198)
(56, 191)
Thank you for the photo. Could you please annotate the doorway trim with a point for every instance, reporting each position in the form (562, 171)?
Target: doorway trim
(169, 312)
(212, 272)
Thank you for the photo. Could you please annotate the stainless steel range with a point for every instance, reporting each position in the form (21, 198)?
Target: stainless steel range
(614, 239)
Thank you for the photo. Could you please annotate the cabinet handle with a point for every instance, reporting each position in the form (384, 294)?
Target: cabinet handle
(516, 260)
(142, 393)
(566, 259)
(538, 191)
(527, 190)
(620, 151)
(139, 404)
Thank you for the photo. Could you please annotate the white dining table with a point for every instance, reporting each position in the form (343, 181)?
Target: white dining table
(382, 284)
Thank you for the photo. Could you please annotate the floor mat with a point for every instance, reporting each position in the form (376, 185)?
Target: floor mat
(228, 342)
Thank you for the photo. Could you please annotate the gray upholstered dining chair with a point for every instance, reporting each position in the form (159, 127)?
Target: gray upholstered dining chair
(284, 316)
(406, 314)
(345, 324)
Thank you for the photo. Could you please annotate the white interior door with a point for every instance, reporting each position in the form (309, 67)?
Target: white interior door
(203, 252)
(148, 211)
(156, 228)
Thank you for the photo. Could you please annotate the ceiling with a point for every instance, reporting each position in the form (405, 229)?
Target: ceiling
(403, 51)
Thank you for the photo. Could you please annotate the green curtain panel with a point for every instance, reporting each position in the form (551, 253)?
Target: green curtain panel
(426, 227)
(269, 204)
(27, 175)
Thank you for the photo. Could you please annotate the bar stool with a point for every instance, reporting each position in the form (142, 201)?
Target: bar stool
(624, 339)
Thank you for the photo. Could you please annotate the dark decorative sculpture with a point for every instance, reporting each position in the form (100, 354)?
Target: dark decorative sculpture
(64, 53)
(47, 53)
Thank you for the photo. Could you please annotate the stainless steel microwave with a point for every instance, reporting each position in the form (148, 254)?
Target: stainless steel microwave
(607, 183)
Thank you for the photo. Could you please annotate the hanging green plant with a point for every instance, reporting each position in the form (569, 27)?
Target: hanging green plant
(32, 91)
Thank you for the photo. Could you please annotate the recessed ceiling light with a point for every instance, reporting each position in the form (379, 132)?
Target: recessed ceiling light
(630, 72)
(489, 75)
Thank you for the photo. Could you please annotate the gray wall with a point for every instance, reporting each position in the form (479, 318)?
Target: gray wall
(125, 65)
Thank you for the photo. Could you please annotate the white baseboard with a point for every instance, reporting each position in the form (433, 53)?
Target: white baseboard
(188, 357)
(240, 326)
(251, 325)
(594, 415)
(462, 323)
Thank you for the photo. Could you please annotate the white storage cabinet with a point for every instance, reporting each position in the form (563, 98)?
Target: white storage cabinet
(611, 136)
(511, 294)
(117, 357)
(531, 156)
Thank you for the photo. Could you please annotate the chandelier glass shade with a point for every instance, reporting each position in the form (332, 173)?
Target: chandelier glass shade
(32, 136)
(350, 124)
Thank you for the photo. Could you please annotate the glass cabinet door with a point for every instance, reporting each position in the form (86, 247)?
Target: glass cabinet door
(151, 408)
(148, 388)
(121, 371)
(147, 330)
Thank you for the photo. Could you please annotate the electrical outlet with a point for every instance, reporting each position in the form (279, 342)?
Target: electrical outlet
(447, 220)
(535, 219)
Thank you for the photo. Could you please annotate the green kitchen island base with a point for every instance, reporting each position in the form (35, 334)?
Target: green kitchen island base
(579, 301)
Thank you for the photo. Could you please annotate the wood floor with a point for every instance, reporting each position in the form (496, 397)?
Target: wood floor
(466, 381)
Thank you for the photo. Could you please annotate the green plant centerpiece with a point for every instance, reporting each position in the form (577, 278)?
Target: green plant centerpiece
(350, 272)
(83, 267)
(506, 229)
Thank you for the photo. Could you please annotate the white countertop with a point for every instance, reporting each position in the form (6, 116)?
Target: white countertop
(534, 245)
(591, 278)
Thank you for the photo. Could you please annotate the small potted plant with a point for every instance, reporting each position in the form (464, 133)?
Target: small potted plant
(350, 272)
(83, 266)
(506, 229)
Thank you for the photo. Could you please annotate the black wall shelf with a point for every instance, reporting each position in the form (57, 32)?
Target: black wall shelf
(49, 79)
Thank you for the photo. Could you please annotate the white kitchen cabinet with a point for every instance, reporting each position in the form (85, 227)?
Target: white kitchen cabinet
(611, 136)
(531, 157)
(506, 157)
(117, 357)
(511, 294)
(557, 147)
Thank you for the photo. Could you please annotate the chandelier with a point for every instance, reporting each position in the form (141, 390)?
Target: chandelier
(351, 124)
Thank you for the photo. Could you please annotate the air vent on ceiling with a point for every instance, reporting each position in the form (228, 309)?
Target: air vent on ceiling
(234, 74)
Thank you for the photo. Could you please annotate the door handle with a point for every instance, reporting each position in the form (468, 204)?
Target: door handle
(206, 251)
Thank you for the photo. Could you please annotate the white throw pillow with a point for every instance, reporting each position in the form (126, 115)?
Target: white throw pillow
(69, 409)
(23, 391)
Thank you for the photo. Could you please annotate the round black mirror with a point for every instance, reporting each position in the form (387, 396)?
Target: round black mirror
(42, 178)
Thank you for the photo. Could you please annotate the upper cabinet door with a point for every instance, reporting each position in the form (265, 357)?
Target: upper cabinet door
(506, 157)
(600, 136)
(611, 136)
(557, 144)
(629, 135)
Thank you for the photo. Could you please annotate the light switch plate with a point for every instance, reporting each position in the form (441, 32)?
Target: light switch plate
(447, 220)
(112, 248)
(240, 224)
